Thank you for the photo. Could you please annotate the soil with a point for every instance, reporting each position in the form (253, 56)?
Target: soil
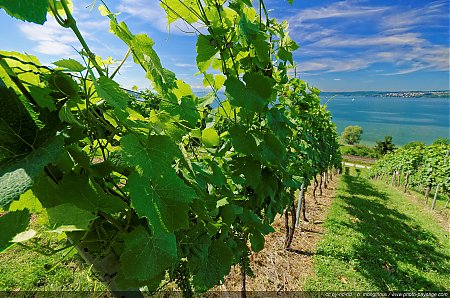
(355, 158)
(276, 269)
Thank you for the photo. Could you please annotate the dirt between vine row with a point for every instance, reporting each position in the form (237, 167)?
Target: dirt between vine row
(276, 269)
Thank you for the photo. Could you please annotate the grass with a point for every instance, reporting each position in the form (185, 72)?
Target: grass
(22, 269)
(378, 239)
(25, 270)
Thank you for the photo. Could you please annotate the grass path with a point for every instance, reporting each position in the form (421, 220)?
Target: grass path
(378, 239)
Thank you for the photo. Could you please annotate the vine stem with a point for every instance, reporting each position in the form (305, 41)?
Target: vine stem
(121, 64)
(72, 24)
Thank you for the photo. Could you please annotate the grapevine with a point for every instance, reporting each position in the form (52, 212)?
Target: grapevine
(419, 167)
(170, 188)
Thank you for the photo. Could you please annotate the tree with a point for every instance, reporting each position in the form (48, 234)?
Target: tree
(441, 141)
(352, 134)
(385, 146)
(414, 145)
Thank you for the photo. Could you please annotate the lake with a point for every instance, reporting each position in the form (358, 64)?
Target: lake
(405, 119)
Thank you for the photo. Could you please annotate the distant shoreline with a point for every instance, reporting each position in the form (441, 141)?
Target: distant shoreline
(398, 94)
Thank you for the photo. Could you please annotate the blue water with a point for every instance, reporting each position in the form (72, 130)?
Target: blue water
(405, 119)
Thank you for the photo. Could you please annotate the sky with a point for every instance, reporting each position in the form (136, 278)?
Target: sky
(349, 45)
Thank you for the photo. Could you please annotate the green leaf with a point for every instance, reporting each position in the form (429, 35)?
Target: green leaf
(187, 10)
(17, 128)
(68, 217)
(70, 64)
(142, 47)
(27, 200)
(18, 177)
(144, 55)
(259, 84)
(34, 11)
(82, 193)
(43, 97)
(272, 149)
(63, 83)
(110, 91)
(242, 141)
(210, 137)
(163, 200)
(262, 49)
(257, 241)
(182, 89)
(214, 267)
(253, 96)
(155, 154)
(250, 168)
(206, 49)
(11, 224)
(185, 111)
(248, 29)
(214, 81)
(24, 236)
(147, 256)
(136, 154)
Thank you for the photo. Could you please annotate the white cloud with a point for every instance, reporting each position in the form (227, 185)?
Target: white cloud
(375, 40)
(333, 65)
(52, 48)
(392, 34)
(337, 79)
(184, 65)
(341, 9)
(430, 15)
(51, 38)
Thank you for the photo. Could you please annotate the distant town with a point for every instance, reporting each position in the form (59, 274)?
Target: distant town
(403, 94)
(418, 94)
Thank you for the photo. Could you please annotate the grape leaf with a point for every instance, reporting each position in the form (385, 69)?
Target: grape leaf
(34, 11)
(163, 200)
(259, 84)
(248, 29)
(147, 256)
(250, 168)
(81, 192)
(18, 177)
(272, 149)
(27, 200)
(11, 224)
(205, 51)
(257, 241)
(17, 128)
(185, 111)
(184, 9)
(110, 91)
(68, 217)
(242, 96)
(24, 236)
(135, 154)
(210, 137)
(214, 267)
(242, 141)
(43, 97)
(144, 55)
(70, 64)
(151, 156)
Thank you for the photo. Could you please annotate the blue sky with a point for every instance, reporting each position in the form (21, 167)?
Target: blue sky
(344, 45)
